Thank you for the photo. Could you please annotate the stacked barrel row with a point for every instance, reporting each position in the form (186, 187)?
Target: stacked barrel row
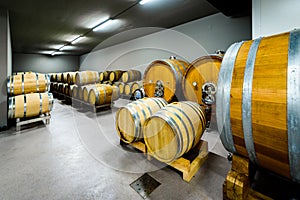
(126, 81)
(169, 131)
(85, 87)
(28, 95)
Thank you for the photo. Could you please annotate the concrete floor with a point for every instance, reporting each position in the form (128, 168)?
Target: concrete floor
(78, 156)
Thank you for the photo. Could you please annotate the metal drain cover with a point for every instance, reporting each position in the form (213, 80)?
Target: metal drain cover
(145, 185)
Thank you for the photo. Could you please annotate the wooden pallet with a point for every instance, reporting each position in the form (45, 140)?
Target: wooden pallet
(20, 122)
(188, 164)
(76, 103)
(237, 183)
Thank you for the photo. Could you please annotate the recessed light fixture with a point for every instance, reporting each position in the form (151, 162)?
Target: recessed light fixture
(142, 2)
(104, 24)
(77, 39)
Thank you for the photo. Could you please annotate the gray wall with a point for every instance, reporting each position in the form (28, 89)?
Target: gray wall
(5, 65)
(44, 63)
(273, 17)
(188, 41)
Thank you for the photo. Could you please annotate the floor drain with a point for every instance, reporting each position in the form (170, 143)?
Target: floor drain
(145, 185)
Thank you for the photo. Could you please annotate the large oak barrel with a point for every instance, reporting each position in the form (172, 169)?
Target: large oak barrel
(169, 73)
(29, 105)
(86, 77)
(131, 75)
(174, 130)
(103, 94)
(28, 83)
(115, 75)
(204, 70)
(69, 90)
(104, 76)
(131, 118)
(258, 102)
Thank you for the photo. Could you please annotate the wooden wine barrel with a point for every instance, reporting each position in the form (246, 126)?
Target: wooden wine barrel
(64, 77)
(203, 70)
(169, 73)
(115, 75)
(131, 75)
(64, 90)
(174, 130)
(75, 91)
(53, 77)
(103, 94)
(86, 89)
(104, 76)
(258, 101)
(121, 87)
(29, 105)
(59, 77)
(68, 90)
(86, 77)
(27, 83)
(55, 87)
(59, 87)
(71, 78)
(80, 92)
(131, 118)
(129, 88)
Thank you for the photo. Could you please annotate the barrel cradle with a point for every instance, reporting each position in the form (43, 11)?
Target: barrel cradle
(27, 83)
(258, 102)
(163, 78)
(174, 130)
(29, 105)
(130, 118)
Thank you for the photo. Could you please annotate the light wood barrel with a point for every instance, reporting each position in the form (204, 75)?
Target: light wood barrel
(75, 91)
(129, 88)
(60, 87)
(104, 76)
(86, 89)
(59, 77)
(29, 105)
(69, 90)
(170, 73)
(53, 77)
(103, 94)
(71, 78)
(28, 83)
(203, 70)
(115, 75)
(55, 86)
(86, 77)
(174, 130)
(80, 92)
(64, 77)
(121, 87)
(131, 118)
(258, 101)
(131, 75)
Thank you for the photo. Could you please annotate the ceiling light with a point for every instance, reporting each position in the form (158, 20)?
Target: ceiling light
(142, 2)
(102, 25)
(77, 39)
(62, 48)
